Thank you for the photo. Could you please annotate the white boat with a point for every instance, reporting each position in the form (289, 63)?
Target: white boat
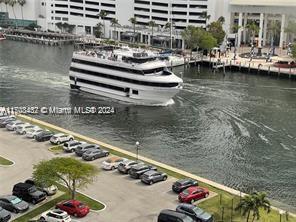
(125, 74)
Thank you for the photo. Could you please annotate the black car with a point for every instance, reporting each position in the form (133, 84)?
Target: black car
(138, 170)
(28, 193)
(13, 204)
(4, 122)
(126, 166)
(183, 184)
(4, 215)
(44, 136)
(152, 176)
(194, 212)
(173, 216)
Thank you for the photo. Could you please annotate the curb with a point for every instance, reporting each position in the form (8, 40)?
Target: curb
(96, 211)
(6, 166)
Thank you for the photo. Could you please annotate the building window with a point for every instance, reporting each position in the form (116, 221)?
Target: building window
(135, 92)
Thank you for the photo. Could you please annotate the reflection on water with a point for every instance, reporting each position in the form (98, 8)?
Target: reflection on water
(238, 130)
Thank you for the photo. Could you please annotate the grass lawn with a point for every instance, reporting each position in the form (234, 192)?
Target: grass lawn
(56, 149)
(93, 204)
(5, 162)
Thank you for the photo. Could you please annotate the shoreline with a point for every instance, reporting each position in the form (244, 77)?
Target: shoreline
(148, 160)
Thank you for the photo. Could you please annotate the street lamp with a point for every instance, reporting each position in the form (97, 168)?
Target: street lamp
(137, 148)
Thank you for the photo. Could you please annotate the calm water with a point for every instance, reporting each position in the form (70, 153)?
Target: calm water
(238, 130)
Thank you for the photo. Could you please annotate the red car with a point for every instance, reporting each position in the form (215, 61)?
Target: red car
(73, 207)
(192, 194)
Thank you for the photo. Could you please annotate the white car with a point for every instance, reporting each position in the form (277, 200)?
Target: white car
(55, 216)
(112, 163)
(23, 129)
(72, 145)
(33, 132)
(13, 125)
(60, 138)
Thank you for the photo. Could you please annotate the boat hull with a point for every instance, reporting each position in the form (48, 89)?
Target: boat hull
(147, 97)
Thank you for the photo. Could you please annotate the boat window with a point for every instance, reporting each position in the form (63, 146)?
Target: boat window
(136, 92)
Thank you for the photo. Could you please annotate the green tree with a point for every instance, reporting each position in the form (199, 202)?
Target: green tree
(207, 40)
(293, 52)
(221, 19)
(98, 30)
(152, 24)
(73, 173)
(133, 21)
(12, 4)
(253, 28)
(216, 29)
(205, 15)
(103, 14)
(60, 26)
(22, 3)
(291, 29)
(114, 24)
(190, 36)
(170, 27)
(251, 204)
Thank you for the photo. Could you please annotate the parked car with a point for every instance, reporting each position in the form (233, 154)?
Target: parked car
(191, 194)
(13, 125)
(138, 170)
(194, 212)
(48, 190)
(22, 129)
(72, 145)
(125, 166)
(32, 133)
(73, 207)
(4, 215)
(152, 176)
(60, 138)
(55, 216)
(94, 153)
(84, 147)
(173, 216)
(183, 184)
(28, 193)
(6, 117)
(112, 163)
(13, 204)
(44, 136)
(4, 122)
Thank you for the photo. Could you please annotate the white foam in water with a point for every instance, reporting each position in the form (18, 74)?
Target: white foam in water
(264, 138)
(253, 123)
(285, 146)
(267, 127)
(243, 130)
(290, 136)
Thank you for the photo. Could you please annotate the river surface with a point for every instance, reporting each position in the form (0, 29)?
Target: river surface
(238, 130)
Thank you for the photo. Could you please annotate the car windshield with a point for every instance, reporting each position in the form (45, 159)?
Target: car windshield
(81, 205)
(32, 189)
(15, 200)
(186, 192)
(197, 210)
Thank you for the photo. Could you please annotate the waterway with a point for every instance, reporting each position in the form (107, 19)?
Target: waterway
(238, 129)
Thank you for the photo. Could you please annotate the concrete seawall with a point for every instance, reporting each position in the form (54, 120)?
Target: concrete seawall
(150, 161)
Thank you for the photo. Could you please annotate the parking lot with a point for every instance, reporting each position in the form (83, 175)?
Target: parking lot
(127, 200)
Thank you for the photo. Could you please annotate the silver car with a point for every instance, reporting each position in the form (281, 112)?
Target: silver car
(13, 125)
(72, 145)
(32, 133)
(23, 129)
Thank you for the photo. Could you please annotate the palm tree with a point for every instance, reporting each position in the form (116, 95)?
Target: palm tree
(22, 3)
(98, 30)
(274, 28)
(169, 26)
(221, 19)
(205, 15)
(133, 20)
(291, 29)
(114, 23)
(151, 24)
(103, 14)
(253, 203)
(253, 28)
(260, 202)
(6, 2)
(12, 4)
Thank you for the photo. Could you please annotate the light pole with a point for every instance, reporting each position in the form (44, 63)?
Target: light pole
(281, 213)
(137, 148)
